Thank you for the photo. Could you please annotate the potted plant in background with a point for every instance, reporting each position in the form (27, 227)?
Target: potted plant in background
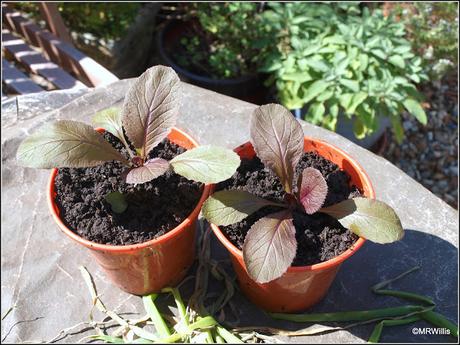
(294, 211)
(131, 191)
(432, 29)
(343, 68)
(213, 45)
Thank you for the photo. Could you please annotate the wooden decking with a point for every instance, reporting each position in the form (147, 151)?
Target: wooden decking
(36, 51)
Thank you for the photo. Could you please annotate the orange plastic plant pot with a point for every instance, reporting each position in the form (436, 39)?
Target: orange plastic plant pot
(146, 267)
(301, 286)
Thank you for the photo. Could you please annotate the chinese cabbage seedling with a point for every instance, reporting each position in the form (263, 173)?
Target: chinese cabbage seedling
(150, 110)
(270, 245)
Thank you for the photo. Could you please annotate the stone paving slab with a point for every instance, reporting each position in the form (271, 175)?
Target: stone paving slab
(40, 265)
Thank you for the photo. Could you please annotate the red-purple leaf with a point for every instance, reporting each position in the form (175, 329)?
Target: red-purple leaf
(270, 246)
(151, 107)
(150, 170)
(313, 190)
(278, 141)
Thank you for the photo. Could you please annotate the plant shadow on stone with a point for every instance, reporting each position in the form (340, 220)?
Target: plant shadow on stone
(352, 289)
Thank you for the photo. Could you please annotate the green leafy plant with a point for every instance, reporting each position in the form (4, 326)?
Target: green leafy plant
(150, 109)
(336, 59)
(220, 43)
(432, 28)
(270, 244)
(103, 20)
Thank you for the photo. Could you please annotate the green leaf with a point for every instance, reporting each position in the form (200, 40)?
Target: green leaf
(206, 164)
(151, 169)
(117, 201)
(325, 96)
(334, 39)
(353, 85)
(398, 129)
(402, 49)
(397, 60)
(231, 206)
(270, 247)
(110, 120)
(66, 144)
(151, 107)
(368, 218)
(415, 77)
(359, 129)
(357, 99)
(271, 66)
(363, 61)
(278, 141)
(416, 110)
(316, 112)
(345, 100)
(379, 53)
(319, 65)
(314, 90)
(313, 190)
(300, 77)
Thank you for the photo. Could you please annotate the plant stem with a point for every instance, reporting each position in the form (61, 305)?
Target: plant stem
(125, 143)
(152, 310)
(406, 295)
(439, 320)
(179, 303)
(107, 339)
(361, 315)
(228, 336)
(389, 281)
(377, 332)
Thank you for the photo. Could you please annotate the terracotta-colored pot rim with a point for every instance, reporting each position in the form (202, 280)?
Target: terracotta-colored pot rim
(322, 265)
(132, 247)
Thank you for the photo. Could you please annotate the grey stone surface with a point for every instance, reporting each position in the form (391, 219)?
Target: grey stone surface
(40, 276)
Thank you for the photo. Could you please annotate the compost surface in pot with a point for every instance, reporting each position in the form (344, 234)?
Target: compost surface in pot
(154, 208)
(319, 236)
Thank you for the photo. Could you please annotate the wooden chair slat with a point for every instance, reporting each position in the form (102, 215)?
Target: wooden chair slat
(58, 51)
(36, 63)
(16, 80)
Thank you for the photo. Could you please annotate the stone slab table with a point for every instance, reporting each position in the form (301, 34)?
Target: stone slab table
(39, 265)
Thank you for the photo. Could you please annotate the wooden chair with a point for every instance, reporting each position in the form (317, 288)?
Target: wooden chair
(46, 58)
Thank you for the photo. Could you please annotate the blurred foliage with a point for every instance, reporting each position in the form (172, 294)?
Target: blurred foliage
(104, 20)
(221, 44)
(433, 30)
(342, 58)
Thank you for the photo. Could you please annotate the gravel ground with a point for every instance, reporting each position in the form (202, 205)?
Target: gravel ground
(429, 154)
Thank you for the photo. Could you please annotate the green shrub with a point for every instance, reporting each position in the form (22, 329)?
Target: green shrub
(104, 20)
(337, 58)
(222, 44)
(433, 31)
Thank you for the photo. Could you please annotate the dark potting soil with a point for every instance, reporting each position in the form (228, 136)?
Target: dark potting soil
(320, 237)
(154, 207)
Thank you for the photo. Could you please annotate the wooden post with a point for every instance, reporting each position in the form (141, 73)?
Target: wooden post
(53, 19)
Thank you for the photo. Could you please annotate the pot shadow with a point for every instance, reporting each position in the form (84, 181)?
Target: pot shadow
(373, 263)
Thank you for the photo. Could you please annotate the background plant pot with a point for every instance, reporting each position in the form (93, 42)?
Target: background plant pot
(303, 286)
(248, 88)
(145, 267)
(376, 142)
(371, 142)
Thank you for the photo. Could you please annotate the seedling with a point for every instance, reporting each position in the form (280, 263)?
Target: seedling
(270, 245)
(150, 110)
